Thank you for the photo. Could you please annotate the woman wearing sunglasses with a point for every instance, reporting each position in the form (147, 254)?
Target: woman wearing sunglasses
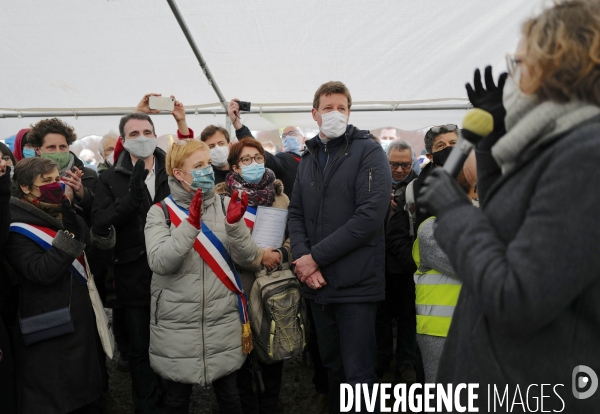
(249, 175)
(528, 311)
(198, 327)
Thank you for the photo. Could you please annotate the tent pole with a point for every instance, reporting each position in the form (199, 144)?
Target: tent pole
(192, 42)
(116, 112)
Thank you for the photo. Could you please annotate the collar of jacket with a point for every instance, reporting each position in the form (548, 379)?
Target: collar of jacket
(33, 210)
(405, 181)
(125, 166)
(183, 198)
(352, 133)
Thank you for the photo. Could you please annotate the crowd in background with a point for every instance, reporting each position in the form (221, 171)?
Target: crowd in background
(474, 275)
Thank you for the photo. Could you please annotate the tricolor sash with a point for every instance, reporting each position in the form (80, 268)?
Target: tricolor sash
(44, 236)
(215, 255)
(250, 216)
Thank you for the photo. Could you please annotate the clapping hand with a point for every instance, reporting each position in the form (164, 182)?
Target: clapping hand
(237, 207)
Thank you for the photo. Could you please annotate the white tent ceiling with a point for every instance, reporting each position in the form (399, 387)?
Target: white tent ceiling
(73, 55)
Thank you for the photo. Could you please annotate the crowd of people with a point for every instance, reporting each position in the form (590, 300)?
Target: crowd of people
(488, 277)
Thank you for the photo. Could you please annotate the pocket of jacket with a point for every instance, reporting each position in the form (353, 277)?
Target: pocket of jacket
(155, 305)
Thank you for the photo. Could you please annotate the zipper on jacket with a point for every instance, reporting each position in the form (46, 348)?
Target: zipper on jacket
(370, 178)
(326, 162)
(203, 324)
(156, 309)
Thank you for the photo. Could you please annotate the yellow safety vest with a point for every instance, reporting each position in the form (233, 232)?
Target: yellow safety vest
(436, 298)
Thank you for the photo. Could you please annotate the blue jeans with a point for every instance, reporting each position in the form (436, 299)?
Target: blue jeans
(143, 379)
(346, 337)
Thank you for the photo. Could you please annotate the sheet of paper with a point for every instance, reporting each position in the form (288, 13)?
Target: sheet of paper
(269, 227)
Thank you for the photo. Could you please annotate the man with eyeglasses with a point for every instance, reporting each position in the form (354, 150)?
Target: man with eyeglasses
(283, 164)
(399, 299)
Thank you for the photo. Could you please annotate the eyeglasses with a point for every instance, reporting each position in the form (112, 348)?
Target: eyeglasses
(5, 158)
(442, 129)
(247, 160)
(404, 165)
(513, 64)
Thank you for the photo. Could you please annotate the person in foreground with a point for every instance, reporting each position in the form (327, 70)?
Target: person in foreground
(249, 175)
(336, 223)
(60, 374)
(528, 311)
(195, 323)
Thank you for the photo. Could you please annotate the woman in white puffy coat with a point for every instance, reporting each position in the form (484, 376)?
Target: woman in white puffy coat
(195, 324)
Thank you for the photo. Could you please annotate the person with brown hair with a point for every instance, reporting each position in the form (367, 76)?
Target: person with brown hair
(61, 373)
(249, 176)
(52, 138)
(283, 164)
(217, 139)
(528, 311)
(336, 223)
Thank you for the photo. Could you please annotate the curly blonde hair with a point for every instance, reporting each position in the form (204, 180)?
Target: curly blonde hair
(563, 52)
(177, 154)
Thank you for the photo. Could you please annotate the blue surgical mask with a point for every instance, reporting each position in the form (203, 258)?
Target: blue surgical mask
(202, 178)
(253, 173)
(28, 153)
(291, 144)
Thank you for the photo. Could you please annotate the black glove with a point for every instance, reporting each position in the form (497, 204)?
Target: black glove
(69, 218)
(440, 193)
(490, 98)
(5, 182)
(137, 186)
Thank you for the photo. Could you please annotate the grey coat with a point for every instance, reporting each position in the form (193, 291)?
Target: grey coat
(529, 309)
(195, 326)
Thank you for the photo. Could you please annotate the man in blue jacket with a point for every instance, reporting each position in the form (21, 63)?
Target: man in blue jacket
(336, 218)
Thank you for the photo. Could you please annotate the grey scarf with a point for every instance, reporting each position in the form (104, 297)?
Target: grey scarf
(531, 124)
(183, 198)
(63, 172)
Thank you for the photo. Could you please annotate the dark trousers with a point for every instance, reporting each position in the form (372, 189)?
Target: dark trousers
(120, 331)
(177, 400)
(254, 400)
(346, 337)
(319, 379)
(143, 379)
(8, 401)
(400, 304)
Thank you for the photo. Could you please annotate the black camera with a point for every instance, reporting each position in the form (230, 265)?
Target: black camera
(244, 106)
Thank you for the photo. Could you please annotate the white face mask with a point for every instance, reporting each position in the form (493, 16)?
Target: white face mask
(111, 159)
(140, 147)
(218, 156)
(512, 92)
(333, 125)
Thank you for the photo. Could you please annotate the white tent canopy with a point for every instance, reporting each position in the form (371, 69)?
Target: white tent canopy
(104, 55)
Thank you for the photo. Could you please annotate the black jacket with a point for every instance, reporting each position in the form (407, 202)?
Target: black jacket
(283, 164)
(59, 374)
(89, 179)
(338, 217)
(394, 260)
(399, 242)
(132, 273)
(528, 309)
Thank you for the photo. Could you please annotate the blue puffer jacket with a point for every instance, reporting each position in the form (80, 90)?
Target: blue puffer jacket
(337, 215)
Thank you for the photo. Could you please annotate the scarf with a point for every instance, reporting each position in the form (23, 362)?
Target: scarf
(530, 124)
(63, 172)
(53, 210)
(259, 194)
